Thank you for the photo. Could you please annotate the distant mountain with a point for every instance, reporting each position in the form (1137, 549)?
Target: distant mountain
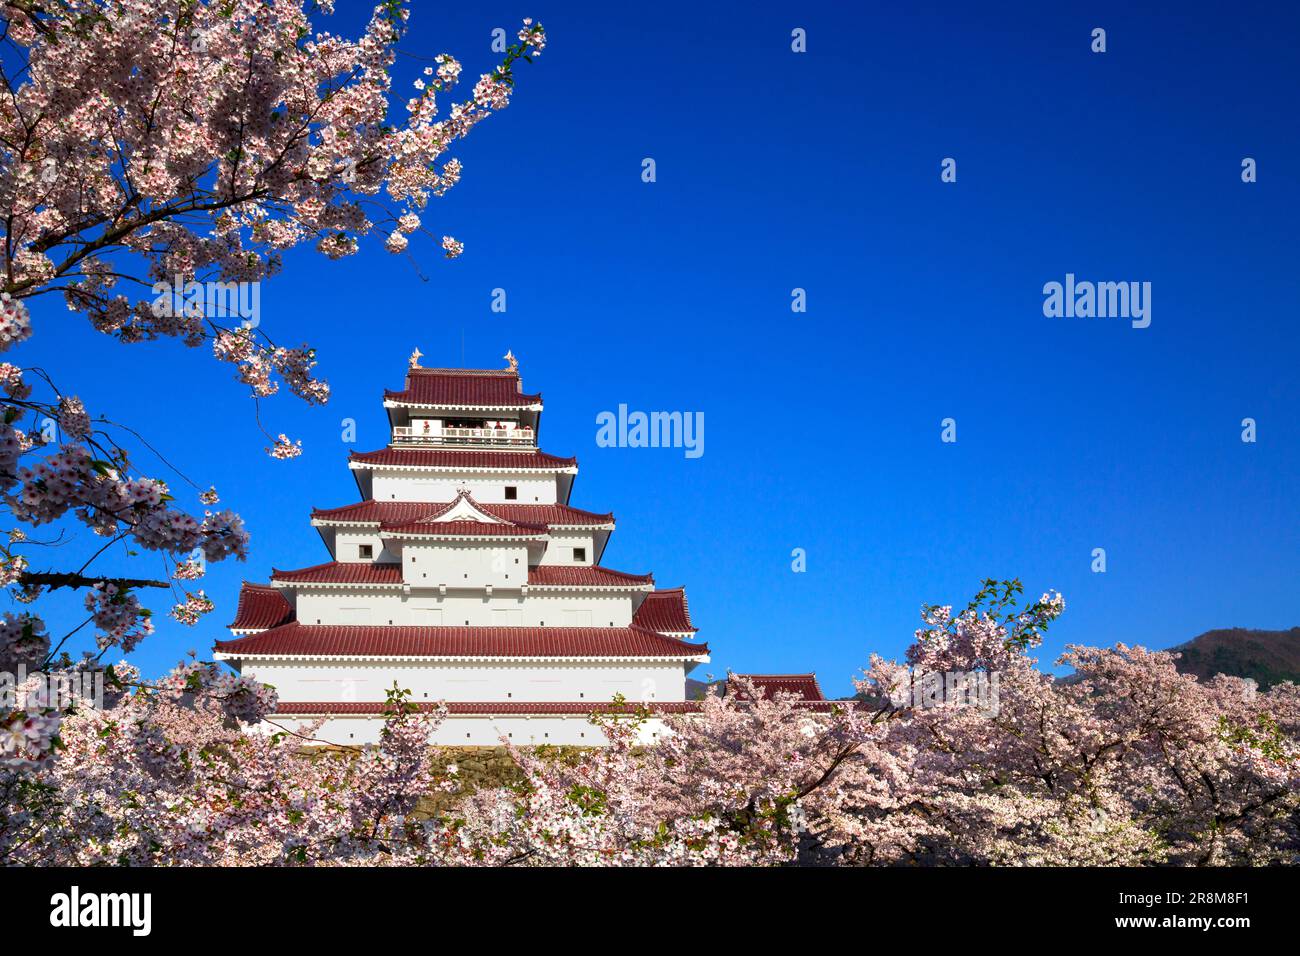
(1270, 657)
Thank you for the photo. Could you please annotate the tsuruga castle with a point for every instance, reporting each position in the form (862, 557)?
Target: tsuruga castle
(464, 575)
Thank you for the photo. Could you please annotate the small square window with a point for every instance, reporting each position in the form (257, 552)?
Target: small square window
(512, 493)
(366, 551)
(579, 554)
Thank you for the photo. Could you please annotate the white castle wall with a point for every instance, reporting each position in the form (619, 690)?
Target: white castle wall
(487, 488)
(463, 731)
(430, 681)
(560, 549)
(348, 540)
(464, 564)
(422, 608)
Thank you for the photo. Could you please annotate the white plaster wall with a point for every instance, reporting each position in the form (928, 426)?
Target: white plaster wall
(473, 680)
(559, 550)
(347, 541)
(488, 488)
(464, 564)
(462, 731)
(425, 607)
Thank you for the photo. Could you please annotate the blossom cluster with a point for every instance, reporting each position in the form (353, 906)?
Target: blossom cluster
(15, 322)
(27, 737)
(192, 608)
(107, 502)
(284, 448)
(118, 614)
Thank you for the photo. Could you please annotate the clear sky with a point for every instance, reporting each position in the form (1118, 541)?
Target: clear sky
(821, 171)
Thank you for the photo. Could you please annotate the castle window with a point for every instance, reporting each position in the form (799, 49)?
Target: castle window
(366, 551)
(579, 554)
(512, 492)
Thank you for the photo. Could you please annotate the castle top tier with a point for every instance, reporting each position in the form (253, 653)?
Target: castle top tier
(451, 407)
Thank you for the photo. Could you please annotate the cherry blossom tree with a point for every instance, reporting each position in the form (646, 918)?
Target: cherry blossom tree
(1127, 762)
(162, 777)
(155, 157)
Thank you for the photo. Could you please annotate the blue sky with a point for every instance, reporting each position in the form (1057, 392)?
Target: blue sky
(777, 170)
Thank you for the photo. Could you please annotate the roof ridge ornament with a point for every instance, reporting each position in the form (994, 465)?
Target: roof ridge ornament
(414, 360)
(514, 362)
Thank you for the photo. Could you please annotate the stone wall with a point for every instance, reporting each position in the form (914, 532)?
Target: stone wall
(477, 768)
(482, 768)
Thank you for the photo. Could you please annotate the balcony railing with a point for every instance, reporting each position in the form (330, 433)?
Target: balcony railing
(406, 435)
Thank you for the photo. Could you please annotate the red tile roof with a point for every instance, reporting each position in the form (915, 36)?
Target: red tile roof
(489, 708)
(352, 572)
(545, 514)
(302, 640)
(805, 685)
(551, 575)
(261, 606)
(396, 513)
(464, 529)
(443, 458)
(338, 572)
(665, 611)
(472, 388)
